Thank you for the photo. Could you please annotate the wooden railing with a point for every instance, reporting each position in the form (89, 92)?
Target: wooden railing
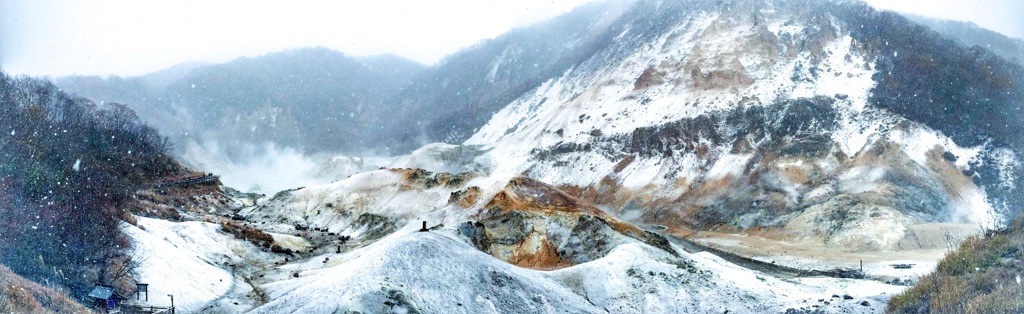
(205, 179)
(148, 309)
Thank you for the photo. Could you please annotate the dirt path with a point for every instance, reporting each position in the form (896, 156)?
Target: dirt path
(812, 256)
(768, 268)
(798, 259)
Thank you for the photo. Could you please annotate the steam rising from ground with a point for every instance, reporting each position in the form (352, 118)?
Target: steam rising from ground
(269, 168)
(266, 168)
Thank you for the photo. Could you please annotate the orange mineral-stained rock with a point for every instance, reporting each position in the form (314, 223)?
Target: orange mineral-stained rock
(545, 257)
(465, 198)
(531, 224)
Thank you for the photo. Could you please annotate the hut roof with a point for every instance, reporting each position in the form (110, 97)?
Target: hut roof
(103, 292)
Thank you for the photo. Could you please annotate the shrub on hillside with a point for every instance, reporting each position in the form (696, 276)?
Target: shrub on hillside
(18, 295)
(982, 276)
(255, 236)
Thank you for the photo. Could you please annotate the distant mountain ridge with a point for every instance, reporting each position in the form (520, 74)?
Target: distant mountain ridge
(971, 95)
(313, 99)
(971, 34)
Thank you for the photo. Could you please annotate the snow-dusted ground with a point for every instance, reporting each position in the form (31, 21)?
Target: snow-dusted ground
(432, 272)
(438, 271)
(195, 262)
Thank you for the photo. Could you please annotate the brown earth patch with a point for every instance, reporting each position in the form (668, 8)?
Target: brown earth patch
(702, 192)
(169, 203)
(420, 178)
(465, 198)
(953, 180)
(648, 78)
(530, 195)
(544, 258)
(802, 174)
(527, 194)
(770, 233)
(608, 191)
(625, 162)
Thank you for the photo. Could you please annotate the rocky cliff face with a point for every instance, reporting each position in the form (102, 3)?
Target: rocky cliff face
(518, 220)
(531, 224)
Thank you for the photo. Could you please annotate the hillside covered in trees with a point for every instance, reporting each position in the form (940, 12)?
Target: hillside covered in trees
(66, 168)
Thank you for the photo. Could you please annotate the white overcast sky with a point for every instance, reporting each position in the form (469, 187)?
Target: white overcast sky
(1004, 16)
(132, 37)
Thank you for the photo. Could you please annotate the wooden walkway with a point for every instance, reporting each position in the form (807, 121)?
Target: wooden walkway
(136, 308)
(204, 179)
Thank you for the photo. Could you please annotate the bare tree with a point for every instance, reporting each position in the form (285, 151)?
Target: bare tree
(952, 241)
(128, 267)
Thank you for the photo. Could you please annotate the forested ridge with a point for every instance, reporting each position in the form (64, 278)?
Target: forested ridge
(312, 99)
(67, 167)
(969, 93)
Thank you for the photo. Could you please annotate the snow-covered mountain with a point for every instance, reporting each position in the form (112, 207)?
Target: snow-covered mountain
(755, 115)
(787, 136)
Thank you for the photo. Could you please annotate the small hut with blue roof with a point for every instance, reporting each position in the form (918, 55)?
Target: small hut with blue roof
(105, 297)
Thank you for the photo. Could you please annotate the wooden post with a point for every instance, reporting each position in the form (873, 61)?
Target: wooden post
(172, 302)
(424, 229)
(141, 288)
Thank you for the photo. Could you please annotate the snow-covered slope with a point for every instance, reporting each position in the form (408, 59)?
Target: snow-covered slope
(430, 272)
(751, 115)
(424, 272)
(204, 268)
